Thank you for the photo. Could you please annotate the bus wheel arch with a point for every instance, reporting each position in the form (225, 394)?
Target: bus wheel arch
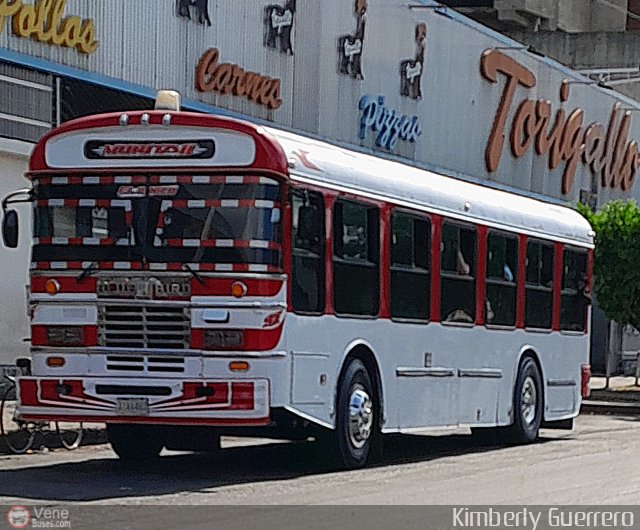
(364, 352)
(355, 440)
(528, 397)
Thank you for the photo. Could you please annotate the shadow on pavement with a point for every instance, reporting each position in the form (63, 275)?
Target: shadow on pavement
(106, 478)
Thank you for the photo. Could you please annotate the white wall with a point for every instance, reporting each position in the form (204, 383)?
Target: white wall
(14, 263)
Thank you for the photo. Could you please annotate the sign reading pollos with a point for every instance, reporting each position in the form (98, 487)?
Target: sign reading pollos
(389, 124)
(95, 149)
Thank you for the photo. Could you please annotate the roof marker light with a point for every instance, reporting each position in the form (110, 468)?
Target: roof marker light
(145, 119)
(166, 119)
(167, 100)
(124, 119)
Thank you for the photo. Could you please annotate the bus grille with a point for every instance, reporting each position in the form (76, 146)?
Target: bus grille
(145, 363)
(125, 326)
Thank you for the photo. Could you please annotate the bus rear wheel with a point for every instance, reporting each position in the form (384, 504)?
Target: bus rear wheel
(356, 423)
(136, 444)
(527, 403)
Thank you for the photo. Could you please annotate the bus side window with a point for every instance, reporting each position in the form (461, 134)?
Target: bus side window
(308, 249)
(502, 267)
(356, 258)
(410, 295)
(539, 285)
(575, 293)
(458, 271)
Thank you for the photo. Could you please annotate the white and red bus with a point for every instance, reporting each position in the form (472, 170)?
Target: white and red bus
(194, 275)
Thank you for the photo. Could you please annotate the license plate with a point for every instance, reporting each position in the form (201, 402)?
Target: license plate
(132, 406)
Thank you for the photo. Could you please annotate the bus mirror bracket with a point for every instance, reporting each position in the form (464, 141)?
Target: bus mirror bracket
(10, 223)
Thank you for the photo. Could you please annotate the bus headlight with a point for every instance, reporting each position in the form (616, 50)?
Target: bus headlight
(65, 336)
(223, 339)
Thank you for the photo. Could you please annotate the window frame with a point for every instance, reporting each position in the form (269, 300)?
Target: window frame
(575, 292)
(322, 257)
(539, 286)
(450, 275)
(341, 199)
(495, 281)
(426, 272)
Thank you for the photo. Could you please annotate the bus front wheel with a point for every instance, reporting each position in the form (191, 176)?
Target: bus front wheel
(356, 419)
(136, 443)
(527, 403)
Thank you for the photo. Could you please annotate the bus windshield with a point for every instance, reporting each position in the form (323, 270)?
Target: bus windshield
(215, 220)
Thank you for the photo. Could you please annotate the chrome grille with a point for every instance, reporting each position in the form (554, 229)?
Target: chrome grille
(145, 363)
(144, 326)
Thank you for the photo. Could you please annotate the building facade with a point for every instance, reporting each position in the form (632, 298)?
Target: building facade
(415, 82)
(600, 37)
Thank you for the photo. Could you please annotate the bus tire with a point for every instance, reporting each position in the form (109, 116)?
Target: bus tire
(527, 403)
(356, 418)
(136, 444)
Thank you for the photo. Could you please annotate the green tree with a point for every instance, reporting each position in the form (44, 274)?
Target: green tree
(617, 259)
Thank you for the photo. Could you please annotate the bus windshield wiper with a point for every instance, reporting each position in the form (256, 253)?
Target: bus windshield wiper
(87, 271)
(194, 273)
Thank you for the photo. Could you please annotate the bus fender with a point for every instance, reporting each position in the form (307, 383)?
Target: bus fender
(528, 350)
(360, 349)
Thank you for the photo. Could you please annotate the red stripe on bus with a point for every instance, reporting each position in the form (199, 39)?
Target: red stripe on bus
(209, 243)
(436, 223)
(481, 275)
(159, 420)
(68, 284)
(222, 286)
(330, 200)
(557, 285)
(253, 339)
(39, 336)
(385, 268)
(522, 272)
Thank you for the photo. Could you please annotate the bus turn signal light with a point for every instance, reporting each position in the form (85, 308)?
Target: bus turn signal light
(239, 366)
(52, 287)
(55, 362)
(238, 289)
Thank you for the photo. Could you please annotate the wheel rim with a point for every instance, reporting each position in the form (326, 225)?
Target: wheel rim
(529, 401)
(360, 416)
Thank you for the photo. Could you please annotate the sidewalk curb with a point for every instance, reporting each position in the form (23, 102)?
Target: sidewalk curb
(610, 407)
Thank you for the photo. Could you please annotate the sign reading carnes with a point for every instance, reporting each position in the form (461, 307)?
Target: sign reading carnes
(95, 149)
(607, 152)
(43, 22)
(227, 78)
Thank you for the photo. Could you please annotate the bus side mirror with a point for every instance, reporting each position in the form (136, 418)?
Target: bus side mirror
(309, 223)
(10, 228)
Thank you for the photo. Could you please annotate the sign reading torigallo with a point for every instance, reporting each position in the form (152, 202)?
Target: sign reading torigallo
(607, 151)
(43, 22)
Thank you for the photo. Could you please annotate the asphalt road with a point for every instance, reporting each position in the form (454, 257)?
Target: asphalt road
(597, 463)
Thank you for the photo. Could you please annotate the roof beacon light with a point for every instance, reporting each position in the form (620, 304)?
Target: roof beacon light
(167, 100)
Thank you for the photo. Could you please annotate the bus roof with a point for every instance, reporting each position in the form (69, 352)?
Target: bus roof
(333, 167)
(79, 146)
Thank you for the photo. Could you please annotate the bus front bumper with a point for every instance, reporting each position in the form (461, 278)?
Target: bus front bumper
(158, 401)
